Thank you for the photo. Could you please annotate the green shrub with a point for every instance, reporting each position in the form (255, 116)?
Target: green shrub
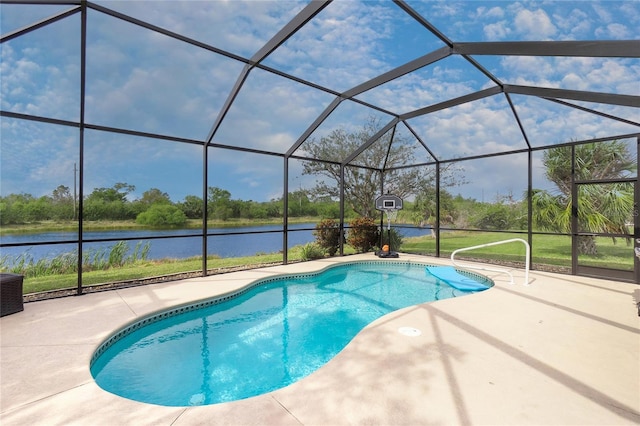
(364, 234)
(162, 215)
(328, 235)
(312, 251)
(396, 238)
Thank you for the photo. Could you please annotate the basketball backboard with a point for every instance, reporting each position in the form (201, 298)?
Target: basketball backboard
(388, 202)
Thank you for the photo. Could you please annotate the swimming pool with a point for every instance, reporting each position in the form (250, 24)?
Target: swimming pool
(269, 335)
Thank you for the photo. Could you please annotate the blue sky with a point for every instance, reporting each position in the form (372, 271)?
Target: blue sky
(144, 81)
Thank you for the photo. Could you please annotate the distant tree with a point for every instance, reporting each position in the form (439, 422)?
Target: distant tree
(274, 208)
(425, 208)
(505, 213)
(162, 215)
(328, 208)
(61, 194)
(362, 184)
(109, 203)
(256, 210)
(62, 203)
(150, 198)
(219, 203)
(602, 208)
(37, 210)
(155, 196)
(117, 192)
(494, 216)
(191, 207)
(300, 204)
(13, 208)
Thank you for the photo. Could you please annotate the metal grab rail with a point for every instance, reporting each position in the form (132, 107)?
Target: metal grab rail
(526, 267)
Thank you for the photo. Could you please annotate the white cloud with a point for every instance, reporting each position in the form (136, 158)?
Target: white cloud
(36, 157)
(492, 178)
(612, 76)
(38, 80)
(534, 25)
(241, 27)
(613, 31)
(418, 91)
(603, 12)
(589, 74)
(526, 68)
(571, 80)
(574, 25)
(342, 47)
(153, 83)
(446, 9)
(495, 12)
(631, 11)
(482, 127)
(497, 31)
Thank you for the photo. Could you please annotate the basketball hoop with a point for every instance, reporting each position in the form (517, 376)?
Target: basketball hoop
(390, 205)
(392, 215)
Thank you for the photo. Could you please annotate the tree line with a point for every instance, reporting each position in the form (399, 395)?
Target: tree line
(154, 207)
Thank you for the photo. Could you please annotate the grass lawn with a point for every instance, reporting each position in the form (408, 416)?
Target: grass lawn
(143, 269)
(546, 249)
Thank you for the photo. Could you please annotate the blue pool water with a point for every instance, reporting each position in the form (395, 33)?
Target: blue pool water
(265, 338)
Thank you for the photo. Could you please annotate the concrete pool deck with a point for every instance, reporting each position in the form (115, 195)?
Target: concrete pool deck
(564, 350)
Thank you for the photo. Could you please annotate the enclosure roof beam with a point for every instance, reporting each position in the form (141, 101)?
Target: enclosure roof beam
(592, 49)
(318, 121)
(422, 21)
(577, 95)
(591, 111)
(40, 24)
(164, 31)
(415, 15)
(370, 142)
(517, 118)
(419, 139)
(235, 90)
(452, 102)
(411, 66)
(407, 68)
(304, 16)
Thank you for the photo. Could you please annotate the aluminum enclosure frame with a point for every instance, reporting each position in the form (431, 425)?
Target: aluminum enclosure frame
(466, 50)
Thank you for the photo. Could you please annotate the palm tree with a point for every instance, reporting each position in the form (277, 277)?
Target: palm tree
(602, 208)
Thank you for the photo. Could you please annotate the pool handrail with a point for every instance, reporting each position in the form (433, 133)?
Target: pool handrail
(501, 270)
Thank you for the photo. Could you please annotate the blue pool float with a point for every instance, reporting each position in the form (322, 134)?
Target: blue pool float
(455, 279)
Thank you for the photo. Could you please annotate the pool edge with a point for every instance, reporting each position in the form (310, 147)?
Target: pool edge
(166, 312)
